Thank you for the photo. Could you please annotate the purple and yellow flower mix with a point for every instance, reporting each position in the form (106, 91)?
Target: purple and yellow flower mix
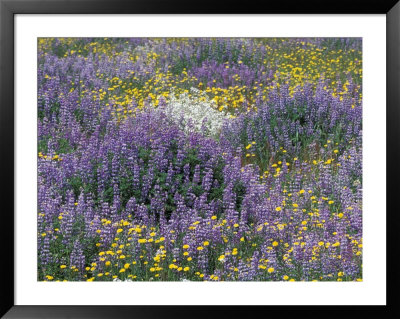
(199, 159)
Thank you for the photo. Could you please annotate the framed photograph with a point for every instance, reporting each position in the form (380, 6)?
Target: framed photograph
(162, 159)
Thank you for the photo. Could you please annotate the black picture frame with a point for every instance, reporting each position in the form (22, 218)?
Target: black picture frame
(9, 8)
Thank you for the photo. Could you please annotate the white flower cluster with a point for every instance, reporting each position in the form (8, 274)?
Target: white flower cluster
(195, 111)
(119, 280)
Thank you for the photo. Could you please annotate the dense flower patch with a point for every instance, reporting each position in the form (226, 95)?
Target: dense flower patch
(199, 159)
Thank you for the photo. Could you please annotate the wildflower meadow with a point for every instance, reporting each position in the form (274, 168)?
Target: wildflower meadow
(199, 159)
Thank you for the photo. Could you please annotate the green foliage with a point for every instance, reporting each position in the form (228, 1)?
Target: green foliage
(240, 190)
(76, 184)
(63, 146)
(42, 144)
